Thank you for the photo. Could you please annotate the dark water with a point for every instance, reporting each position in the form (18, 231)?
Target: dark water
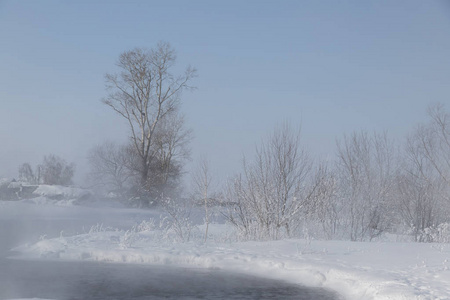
(93, 280)
(90, 280)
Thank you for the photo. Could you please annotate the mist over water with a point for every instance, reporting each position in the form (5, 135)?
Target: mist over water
(91, 280)
(49, 279)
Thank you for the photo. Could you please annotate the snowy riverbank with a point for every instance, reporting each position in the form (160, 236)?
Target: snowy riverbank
(377, 270)
(356, 270)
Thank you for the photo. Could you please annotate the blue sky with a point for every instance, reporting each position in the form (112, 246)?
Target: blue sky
(332, 67)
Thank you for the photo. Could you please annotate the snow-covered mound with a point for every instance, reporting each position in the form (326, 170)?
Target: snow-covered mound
(11, 190)
(61, 192)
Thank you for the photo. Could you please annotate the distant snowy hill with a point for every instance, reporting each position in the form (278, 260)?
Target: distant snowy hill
(12, 190)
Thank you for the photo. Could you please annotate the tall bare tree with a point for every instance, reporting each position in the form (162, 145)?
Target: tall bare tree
(144, 93)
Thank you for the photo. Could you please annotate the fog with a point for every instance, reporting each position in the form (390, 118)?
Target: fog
(330, 71)
(179, 133)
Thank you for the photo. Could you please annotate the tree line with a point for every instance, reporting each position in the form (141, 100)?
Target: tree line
(374, 185)
(53, 171)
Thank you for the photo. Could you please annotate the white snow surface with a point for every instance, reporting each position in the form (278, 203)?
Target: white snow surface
(356, 270)
(64, 191)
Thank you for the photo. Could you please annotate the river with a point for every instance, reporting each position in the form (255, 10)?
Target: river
(84, 280)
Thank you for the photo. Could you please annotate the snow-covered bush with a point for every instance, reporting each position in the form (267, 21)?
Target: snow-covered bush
(179, 219)
(437, 234)
(366, 170)
(275, 190)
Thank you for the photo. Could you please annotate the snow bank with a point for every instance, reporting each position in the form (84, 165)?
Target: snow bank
(63, 192)
(377, 270)
(355, 270)
(46, 201)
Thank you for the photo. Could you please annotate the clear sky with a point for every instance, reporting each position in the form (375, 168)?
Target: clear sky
(332, 67)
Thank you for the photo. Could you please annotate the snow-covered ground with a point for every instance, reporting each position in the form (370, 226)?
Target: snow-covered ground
(377, 270)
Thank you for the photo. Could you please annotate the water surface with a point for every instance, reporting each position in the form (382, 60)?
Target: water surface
(94, 280)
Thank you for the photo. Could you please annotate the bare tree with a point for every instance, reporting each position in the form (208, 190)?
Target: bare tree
(144, 93)
(419, 203)
(56, 171)
(110, 167)
(366, 169)
(117, 167)
(432, 141)
(26, 173)
(168, 153)
(423, 187)
(179, 220)
(327, 205)
(273, 192)
(202, 181)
